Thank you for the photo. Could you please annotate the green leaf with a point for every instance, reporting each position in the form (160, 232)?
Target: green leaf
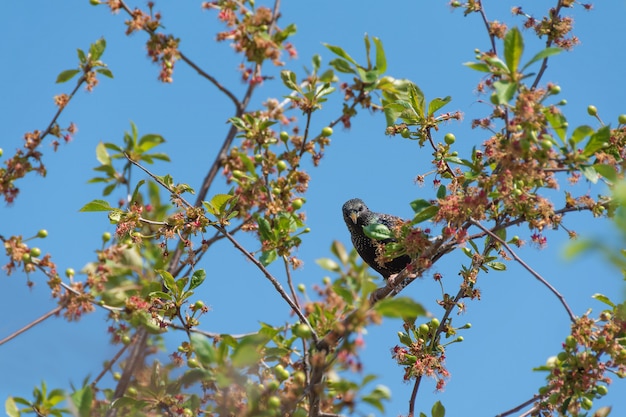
(197, 279)
(82, 399)
(590, 173)
(97, 48)
(340, 52)
(498, 63)
(598, 141)
(543, 54)
(604, 299)
(607, 171)
(441, 191)
(377, 231)
(135, 194)
(168, 280)
(289, 79)
(576, 247)
(513, 49)
(580, 133)
(102, 155)
(341, 65)
(437, 103)
(478, 66)
(328, 264)
(218, 204)
(66, 75)
(504, 91)
(419, 205)
(558, 123)
(149, 141)
(496, 266)
(265, 230)
(81, 55)
(375, 397)
(105, 71)
(97, 205)
(400, 307)
(438, 410)
(416, 97)
(381, 60)
(267, 257)
(426, 214)
(11, 408)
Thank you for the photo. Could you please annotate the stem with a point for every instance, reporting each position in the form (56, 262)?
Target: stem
(528, 268)
(32, 324)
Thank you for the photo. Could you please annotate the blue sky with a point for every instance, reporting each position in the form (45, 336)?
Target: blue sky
(516, 325)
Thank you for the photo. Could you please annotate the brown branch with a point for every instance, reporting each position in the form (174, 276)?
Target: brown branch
(527, 267)
(519, 407)
(492, 37)
(544, 62)
(32, 324)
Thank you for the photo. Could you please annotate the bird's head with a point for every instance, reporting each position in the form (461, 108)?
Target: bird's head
(353, 209)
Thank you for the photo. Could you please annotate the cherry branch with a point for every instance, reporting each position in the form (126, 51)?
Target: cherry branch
(527, 267)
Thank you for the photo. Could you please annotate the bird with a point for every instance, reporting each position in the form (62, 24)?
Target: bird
(357, 215)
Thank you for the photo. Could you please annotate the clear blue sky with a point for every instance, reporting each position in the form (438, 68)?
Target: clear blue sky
(516, 325)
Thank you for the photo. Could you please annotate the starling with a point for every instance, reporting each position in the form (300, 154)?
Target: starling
(357, 215)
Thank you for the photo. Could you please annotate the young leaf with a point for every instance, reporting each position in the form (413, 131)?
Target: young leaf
(419, 205)
(267, 257)
(400, 307)
(105, 71)
(504, 91)
(97, 205)
(597, 141)
(580, 133)
(102, 155)
(168, 280)
(381, 60)
(438, 410)
(377, 231)
(513, 49)
(66, 75)
(149, 141)
(604, 299)
(437, 103)
(197, 279)
(478, 66)
(543, 54)
(97, 48)
(289, 79)
(340, 52)
(426, 214)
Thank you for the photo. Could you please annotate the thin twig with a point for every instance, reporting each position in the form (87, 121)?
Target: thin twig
(109, 365)
(32, 324)
(544, 62)
(271, 278)
(528, 268)
(519, 407)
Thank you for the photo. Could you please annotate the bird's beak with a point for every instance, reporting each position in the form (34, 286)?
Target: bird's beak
(353, 216)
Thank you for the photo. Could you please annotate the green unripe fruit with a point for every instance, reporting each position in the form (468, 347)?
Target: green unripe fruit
(602, 390)
(69, 272)
(562, 102)
(424, 329)
(94, 2)
(35, 252)
(299, 378)
(117, 376)
(302, 330)
(327, 131)
(281, 165)
(43, 233)
(273, 385)
(26, 258)
(434, 323)
(301, 288)
(284, 136)
(182, 349)
(126, 340)
(258, 157)
(297, 203)
(193, 363)
(281, 373)
(326, 280)
(592, 110)
(570, 342)
(1, 152)
(106, 236)
(555, 89)
(132, 392)
(238, 174)
(406, 133)
(621, 119)
(562, 356)
(546, 144)
(187, 412)
(273, 402)
(199, 305)
(449, 138)
(586, 403)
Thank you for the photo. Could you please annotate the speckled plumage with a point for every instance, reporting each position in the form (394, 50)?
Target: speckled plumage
(356, 215)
